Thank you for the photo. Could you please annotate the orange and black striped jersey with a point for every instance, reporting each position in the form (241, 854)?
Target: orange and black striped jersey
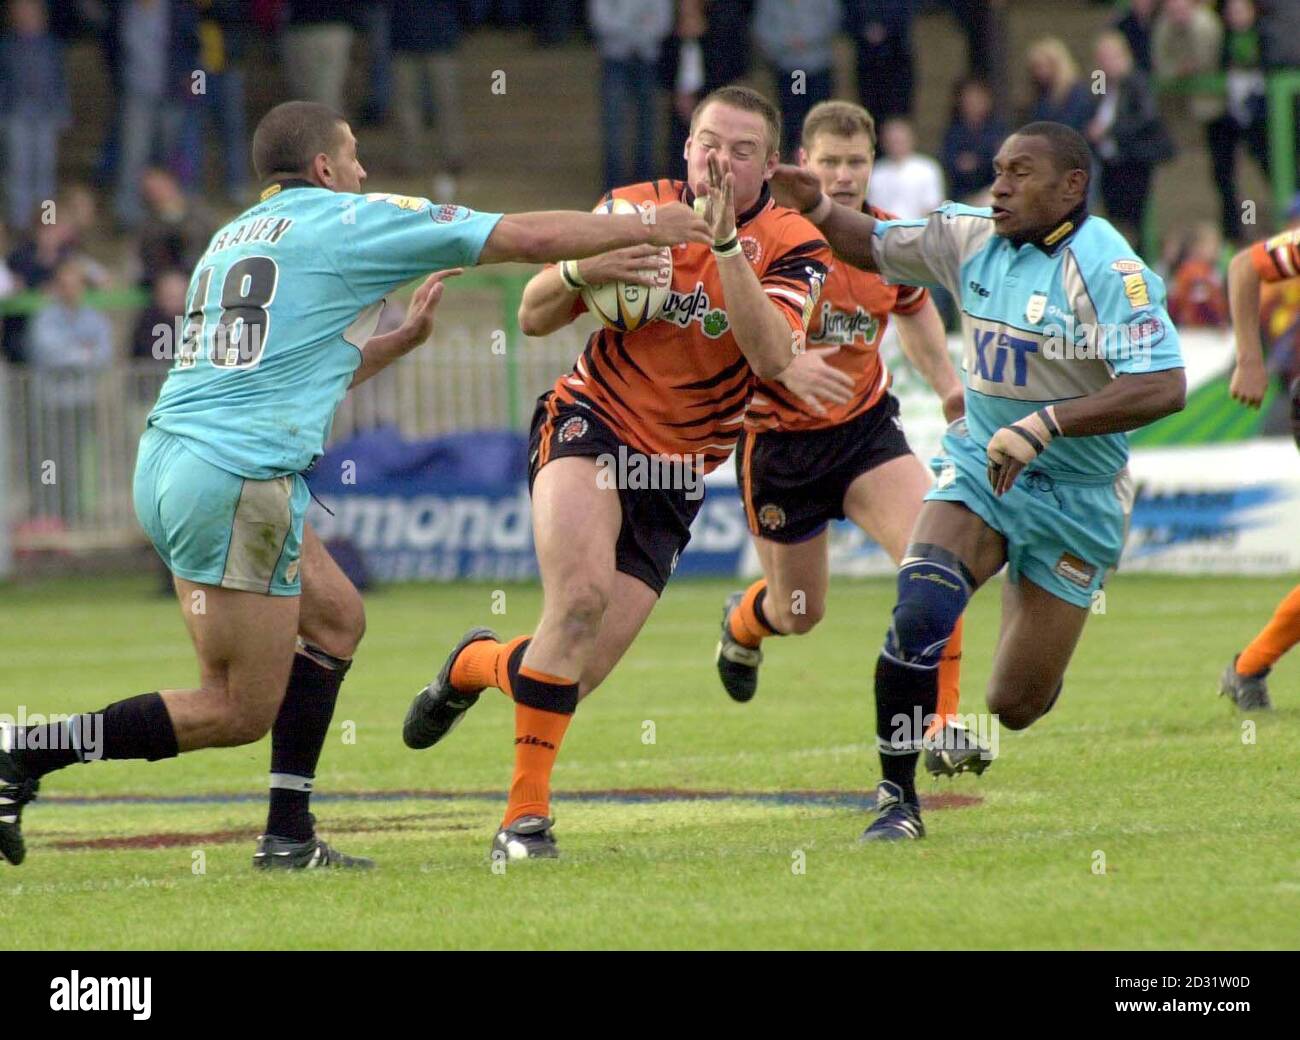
(847, 325)
(679, 385)
(1277, 258)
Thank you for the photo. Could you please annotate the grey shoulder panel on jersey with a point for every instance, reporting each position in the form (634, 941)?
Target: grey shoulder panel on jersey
(931, 251)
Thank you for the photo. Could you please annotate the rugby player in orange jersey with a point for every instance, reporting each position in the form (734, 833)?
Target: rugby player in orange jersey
(824, 441)
(1276, 260)
(667, 399)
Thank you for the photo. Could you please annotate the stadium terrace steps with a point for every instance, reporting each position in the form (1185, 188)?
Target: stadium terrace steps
(537, 145)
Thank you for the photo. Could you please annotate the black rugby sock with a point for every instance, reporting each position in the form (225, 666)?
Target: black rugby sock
(297, 739)
(138, 727)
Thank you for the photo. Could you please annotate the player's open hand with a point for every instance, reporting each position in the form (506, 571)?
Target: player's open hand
(795, 187)
(816, 382)
(417, 326)
(1249, 384)
(675, 223)
(640, 265)
(715, 200)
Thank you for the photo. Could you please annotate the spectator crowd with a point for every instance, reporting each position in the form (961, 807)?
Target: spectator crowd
(173, 157)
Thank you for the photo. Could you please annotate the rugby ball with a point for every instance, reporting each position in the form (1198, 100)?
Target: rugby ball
(622, 306)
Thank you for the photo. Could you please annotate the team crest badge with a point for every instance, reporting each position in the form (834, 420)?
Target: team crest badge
(574, 428)
(1035, 308)
(771, 517)
(752, 249)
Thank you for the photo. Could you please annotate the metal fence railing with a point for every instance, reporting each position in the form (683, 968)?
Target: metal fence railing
(68, 440)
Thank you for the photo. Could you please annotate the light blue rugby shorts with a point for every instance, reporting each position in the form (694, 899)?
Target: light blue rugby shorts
(216, 528)
(1062, 534)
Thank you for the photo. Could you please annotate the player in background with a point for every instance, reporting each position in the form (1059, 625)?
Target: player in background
(1067, 345)
(824, 441)
(670, 394)
(281, 308)
(1245, 680)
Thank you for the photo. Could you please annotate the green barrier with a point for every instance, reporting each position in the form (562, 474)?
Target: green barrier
(1211, 416)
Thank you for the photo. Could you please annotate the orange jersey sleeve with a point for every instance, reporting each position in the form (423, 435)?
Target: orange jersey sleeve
(1278, 258)
(847, 325)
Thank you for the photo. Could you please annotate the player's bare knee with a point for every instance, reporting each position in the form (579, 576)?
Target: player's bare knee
(1014, 710)
(340, 632)
(581, 608)
(797, 619)
(349, 630)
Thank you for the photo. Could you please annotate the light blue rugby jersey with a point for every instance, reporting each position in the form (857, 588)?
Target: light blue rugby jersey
(1039, 324)
(279, 307)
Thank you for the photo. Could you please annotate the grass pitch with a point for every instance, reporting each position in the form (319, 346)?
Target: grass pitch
(1140, 770)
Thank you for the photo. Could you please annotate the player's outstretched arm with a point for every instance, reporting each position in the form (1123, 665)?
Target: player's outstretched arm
(1250, 377)
(925, 343)
(381, 351)
(538, 238)
(847, 231)
(548, 300)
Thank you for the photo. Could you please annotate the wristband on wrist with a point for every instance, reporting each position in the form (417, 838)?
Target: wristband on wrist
(1048, 416)
(1033, 441)
(572, 278)
(728, 248)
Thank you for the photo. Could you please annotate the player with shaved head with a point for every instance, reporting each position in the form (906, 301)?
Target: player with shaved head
(1067, 346)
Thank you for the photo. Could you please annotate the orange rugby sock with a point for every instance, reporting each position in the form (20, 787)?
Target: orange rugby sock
(949, 680)
(485, 663)
(1280, 634)
(544, 705)
(748, 626)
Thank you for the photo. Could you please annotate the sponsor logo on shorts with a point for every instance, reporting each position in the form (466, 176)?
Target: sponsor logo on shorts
(947, 474)
(572, 429)
(1075, 570)
(771, 517)
(445, 213)
(672, 567)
